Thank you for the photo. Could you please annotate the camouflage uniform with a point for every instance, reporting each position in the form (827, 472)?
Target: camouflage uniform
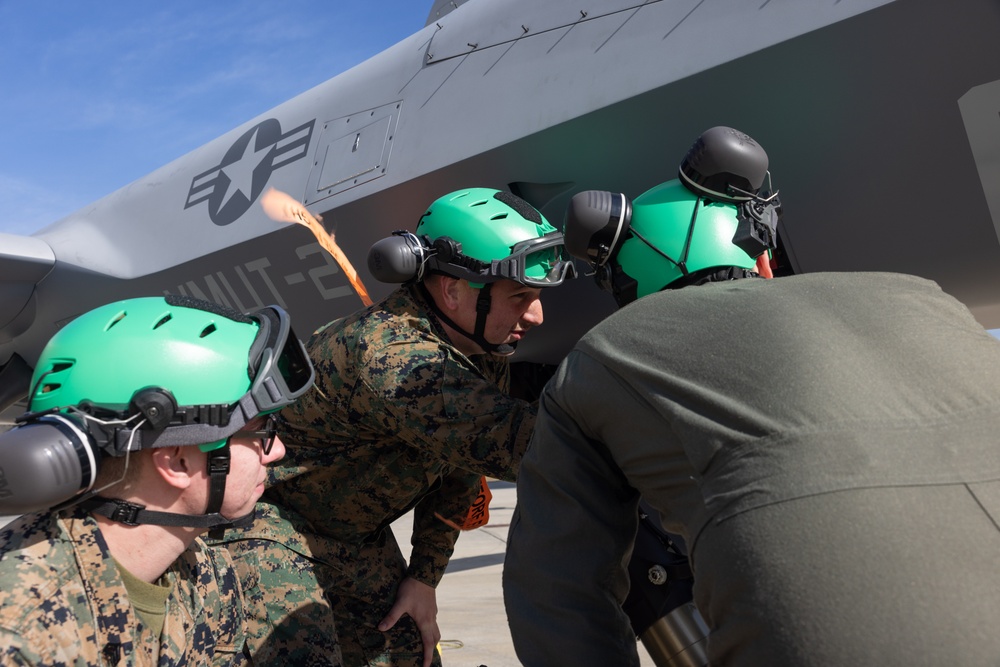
(289, 620)
(62, 601)
(399, 420)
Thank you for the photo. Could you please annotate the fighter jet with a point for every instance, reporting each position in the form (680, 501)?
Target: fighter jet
(881, 119)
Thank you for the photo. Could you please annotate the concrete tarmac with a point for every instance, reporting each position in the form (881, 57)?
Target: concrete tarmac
(471, 614)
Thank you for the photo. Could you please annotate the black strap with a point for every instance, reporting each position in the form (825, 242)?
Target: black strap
(191, 425)
(483, 305)
(133, 514)
(218, 469)
(713, 275)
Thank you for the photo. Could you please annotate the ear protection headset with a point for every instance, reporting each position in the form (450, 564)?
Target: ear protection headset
(404, 257)
(50, 458)
(597, 224)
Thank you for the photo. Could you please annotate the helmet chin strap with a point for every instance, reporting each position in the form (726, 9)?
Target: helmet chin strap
(133, 514)
(218, 470)
(483, 303)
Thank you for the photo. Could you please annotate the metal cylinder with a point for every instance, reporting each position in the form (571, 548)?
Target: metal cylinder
(678, 639)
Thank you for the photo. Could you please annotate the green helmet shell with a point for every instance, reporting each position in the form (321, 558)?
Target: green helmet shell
(488, 223)
(108, 354)
(663, 215)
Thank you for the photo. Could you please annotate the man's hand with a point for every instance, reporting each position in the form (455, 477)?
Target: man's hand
(419, 602)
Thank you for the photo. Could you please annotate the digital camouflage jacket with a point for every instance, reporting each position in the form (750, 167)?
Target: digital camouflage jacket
(62, 601)
(399, 419)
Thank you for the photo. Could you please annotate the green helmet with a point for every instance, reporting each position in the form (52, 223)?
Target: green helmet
(149, 372)
(104, 356)
(484, 235)
(675, 233)
(193, 364)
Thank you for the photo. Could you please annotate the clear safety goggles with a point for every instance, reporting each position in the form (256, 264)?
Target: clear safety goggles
(281, 369)
(544, 257)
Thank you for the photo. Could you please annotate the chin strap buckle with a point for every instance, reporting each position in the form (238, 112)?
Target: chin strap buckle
(126, 512)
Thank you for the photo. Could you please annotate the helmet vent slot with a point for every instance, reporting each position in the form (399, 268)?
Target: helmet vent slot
(61, 366)
(115, 320)
(163, 320)
(207, 331)
(499, 216)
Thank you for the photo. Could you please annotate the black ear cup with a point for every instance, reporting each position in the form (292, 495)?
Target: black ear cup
(44, 461)
(597, 223)
(397, 259)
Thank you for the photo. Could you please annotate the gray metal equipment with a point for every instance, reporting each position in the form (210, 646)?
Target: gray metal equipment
(678, 639)
(659, 603)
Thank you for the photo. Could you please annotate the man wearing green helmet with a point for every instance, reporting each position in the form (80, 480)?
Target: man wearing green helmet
(825, 444)
(148, 425)
(410, 410)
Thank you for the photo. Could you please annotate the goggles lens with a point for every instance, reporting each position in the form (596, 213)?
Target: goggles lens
(283, 371)
(541, 262)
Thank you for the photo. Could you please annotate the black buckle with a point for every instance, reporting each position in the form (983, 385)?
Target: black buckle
(483, 301)
(126, 512)
(218, 461)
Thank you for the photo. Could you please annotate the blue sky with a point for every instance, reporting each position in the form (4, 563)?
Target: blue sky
(97, 93)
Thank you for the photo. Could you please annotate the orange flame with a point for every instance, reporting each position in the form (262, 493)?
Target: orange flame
(284, 208)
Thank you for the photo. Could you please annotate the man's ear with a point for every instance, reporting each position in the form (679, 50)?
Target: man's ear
(178, 466)
(447, 292)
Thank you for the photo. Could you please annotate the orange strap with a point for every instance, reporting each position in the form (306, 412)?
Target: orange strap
(764, 265)
(478, 514)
